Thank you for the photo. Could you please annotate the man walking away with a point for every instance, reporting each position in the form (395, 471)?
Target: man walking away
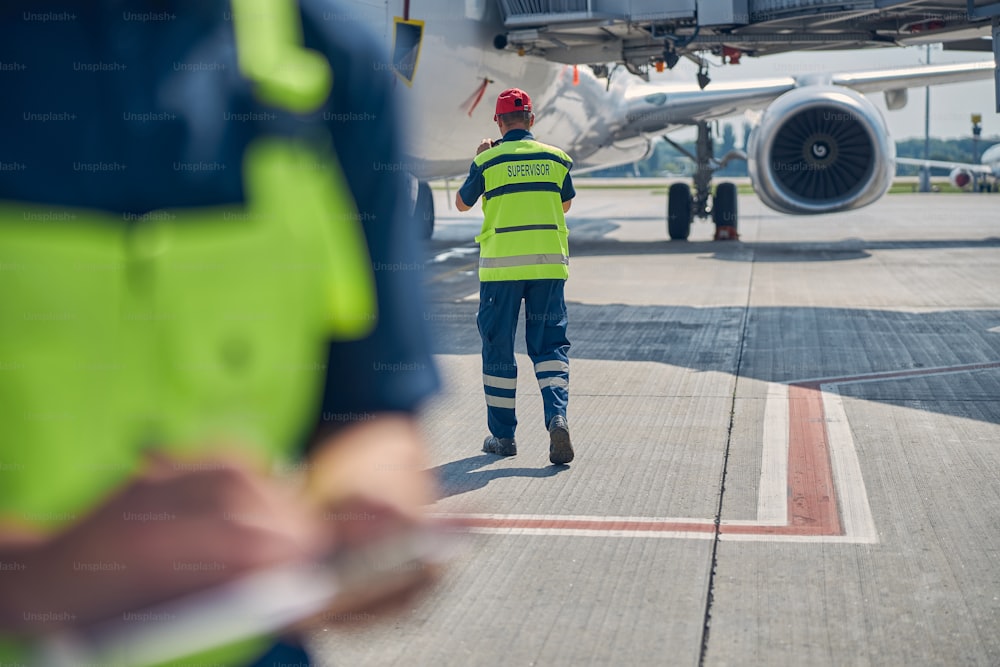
(523, 255)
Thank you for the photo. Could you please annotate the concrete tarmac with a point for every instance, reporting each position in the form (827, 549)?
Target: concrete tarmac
(788, 448)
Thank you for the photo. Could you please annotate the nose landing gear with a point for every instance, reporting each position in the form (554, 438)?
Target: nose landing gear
(682, 207)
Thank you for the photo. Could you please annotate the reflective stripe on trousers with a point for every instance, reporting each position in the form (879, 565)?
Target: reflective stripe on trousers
(546, 342)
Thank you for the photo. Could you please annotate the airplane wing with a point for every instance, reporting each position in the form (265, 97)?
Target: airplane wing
(651, 108)
(914, 77)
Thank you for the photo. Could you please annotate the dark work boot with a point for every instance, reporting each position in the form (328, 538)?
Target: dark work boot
(560, 449)
(500, 446)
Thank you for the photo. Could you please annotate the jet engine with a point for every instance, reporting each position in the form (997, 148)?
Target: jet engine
(820, 149)
(961, 178)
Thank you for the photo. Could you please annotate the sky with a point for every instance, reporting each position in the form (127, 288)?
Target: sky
(951, 105)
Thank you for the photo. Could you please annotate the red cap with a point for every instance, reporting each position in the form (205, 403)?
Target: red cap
(511, 100)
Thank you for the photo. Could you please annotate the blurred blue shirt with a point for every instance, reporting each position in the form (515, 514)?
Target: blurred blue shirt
(130, 106)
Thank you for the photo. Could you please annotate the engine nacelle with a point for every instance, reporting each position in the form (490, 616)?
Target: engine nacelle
(821, 149)
(961, 178)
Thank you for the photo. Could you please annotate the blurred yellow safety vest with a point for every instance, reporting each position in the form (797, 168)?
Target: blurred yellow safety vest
(189, 327)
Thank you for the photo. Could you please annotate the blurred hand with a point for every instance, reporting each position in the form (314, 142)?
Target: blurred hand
(371, 481)
(177, 527)
(181, 526)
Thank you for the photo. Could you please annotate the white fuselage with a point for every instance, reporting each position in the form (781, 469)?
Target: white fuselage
(448, 110)
(456, 56)
(991, 158)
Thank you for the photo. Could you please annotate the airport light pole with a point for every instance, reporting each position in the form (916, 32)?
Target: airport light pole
(925, 171)
(977, 131)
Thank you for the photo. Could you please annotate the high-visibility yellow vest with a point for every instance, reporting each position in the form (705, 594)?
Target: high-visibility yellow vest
(186, 328)
(524, 234)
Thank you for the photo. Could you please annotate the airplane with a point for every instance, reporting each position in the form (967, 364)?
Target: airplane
(967, 175)
(820, 145)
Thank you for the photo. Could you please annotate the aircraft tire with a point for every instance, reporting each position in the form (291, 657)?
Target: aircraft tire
(724, 211)
(679, 212)
(423, 211)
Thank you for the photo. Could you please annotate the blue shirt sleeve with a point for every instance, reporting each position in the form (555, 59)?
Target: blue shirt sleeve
(391, 370)
(568, 191)
(474, 186)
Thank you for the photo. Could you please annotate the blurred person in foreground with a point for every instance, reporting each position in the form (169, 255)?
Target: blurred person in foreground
(201, 375)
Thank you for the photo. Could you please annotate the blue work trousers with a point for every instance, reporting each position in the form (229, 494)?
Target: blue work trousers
(545, 337)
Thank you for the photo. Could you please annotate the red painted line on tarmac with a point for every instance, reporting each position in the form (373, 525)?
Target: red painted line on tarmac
(611, 525)
(589, 524)
(757, 529)
(812, 497)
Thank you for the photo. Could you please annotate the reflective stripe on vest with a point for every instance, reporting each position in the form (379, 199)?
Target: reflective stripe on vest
(524, 234)
(521, 260)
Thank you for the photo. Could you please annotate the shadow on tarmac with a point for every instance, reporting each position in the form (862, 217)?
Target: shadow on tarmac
(771, 252)
(772, 344)
(778, 344)
(463, 475)
(594, 243)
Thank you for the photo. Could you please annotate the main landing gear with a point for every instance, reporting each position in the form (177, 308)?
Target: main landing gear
(423, 210)
(682, 207)
(422, 203)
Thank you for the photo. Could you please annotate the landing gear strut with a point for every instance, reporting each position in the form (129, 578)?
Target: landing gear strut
(682, 207)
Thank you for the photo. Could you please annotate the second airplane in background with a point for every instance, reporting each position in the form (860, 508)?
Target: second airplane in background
(967, 175)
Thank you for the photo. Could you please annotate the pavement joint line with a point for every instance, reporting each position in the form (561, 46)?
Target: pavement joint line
(879, 376)
(831, 498)
(706, 628)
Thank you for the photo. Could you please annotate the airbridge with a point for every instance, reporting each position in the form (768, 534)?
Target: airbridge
(640, 34)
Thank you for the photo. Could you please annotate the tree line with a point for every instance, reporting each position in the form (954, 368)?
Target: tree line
(665, 160)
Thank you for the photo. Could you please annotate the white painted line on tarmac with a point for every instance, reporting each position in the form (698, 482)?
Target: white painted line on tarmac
(772, 496)
(453, 253)
(853, 522)
(855, 510)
